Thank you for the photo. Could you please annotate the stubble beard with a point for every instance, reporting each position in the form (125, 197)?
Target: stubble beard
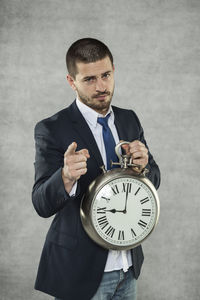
(101, 106)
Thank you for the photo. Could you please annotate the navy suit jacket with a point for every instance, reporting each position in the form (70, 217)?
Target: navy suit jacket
(71, 264)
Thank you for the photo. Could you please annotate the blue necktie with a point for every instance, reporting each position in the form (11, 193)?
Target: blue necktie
(109, 141)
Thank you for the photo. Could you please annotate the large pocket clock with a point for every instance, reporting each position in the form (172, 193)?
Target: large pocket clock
(121, 207)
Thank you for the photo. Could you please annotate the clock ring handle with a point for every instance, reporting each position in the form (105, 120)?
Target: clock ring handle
(118, 146)
(126, 160)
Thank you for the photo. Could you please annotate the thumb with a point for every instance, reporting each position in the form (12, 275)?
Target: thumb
(71, 149)
(126, 148)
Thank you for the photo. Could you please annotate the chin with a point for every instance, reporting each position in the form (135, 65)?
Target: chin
(103, 107)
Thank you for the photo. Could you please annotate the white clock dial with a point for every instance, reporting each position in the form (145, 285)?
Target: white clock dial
(124, 211)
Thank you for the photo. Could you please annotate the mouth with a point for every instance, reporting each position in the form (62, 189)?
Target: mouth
(101, 97)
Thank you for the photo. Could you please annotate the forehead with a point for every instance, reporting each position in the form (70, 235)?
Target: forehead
(94, 68)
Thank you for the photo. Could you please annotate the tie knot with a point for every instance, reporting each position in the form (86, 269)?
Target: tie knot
(103, 121)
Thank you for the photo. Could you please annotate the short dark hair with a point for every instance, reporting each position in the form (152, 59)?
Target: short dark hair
(86, 50)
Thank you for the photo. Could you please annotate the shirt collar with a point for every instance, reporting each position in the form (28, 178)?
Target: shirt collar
(91, 115)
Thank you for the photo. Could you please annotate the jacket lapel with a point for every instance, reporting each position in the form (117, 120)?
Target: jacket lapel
(121, 130)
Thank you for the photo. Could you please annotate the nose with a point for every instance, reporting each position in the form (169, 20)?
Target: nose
(100, 85)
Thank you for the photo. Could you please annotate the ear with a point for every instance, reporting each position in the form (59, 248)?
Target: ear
(70, 80)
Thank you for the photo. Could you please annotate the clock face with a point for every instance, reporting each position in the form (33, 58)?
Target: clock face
(124, 211)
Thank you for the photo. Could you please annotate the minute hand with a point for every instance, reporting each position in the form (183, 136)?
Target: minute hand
(124, 211)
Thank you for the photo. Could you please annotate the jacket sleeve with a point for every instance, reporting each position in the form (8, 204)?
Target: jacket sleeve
(154, 171)
(48, 194)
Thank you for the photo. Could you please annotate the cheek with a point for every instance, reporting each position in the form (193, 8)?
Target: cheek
(111, 85)
(86, 91)
(89, 91)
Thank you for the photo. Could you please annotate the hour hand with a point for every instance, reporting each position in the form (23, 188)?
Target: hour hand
(114, 210)
(102, 210)
(111, 210)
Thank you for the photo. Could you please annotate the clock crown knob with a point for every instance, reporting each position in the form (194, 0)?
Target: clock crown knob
(103, 169)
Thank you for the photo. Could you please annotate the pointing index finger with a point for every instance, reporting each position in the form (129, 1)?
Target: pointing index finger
(71, 149)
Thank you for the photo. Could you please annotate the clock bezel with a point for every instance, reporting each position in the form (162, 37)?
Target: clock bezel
(90, 196)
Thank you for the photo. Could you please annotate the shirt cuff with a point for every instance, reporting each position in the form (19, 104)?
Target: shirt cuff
(73, 190)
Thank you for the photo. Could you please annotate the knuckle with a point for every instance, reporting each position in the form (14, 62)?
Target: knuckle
(80, 156)
(83, 158)
(83, 171)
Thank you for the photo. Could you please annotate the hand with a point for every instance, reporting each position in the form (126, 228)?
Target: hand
(75, 165)
(138, 151)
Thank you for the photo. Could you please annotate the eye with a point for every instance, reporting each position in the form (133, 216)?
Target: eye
(106, 75)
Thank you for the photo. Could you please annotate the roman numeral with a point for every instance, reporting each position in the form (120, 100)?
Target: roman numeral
(107, 199)
(121, 235)
(115, 190)
(110, 231)
(142, 224)
(137, 191)
(133, 233)
(101, 210)
(103, 222)
(127, 187)
(146, 212)
(144, 200)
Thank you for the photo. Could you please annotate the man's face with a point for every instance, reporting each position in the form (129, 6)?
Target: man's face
(94, 84)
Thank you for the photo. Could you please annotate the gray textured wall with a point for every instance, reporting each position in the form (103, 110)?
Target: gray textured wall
(156, 49)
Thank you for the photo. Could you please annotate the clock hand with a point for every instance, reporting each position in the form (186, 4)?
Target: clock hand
(114, 210)
(124, 211)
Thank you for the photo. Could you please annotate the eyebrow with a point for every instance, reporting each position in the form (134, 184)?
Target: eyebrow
(88, 77)
(93, 76)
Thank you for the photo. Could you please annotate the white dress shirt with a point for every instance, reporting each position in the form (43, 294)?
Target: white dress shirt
(116, 259)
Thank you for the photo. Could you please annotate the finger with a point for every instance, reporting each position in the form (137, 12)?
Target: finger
(76, 174)
(125, 146)
(80, 165)
(132, 145)
(138, 154)
(141, 162)
(71, 149)
(138, 147)
(73, 159)
(142, 150)
(136, 143)
(134, 149)
(85, 152)
(81, 172)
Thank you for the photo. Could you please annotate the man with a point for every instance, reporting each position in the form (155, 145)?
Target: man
(70, 149)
